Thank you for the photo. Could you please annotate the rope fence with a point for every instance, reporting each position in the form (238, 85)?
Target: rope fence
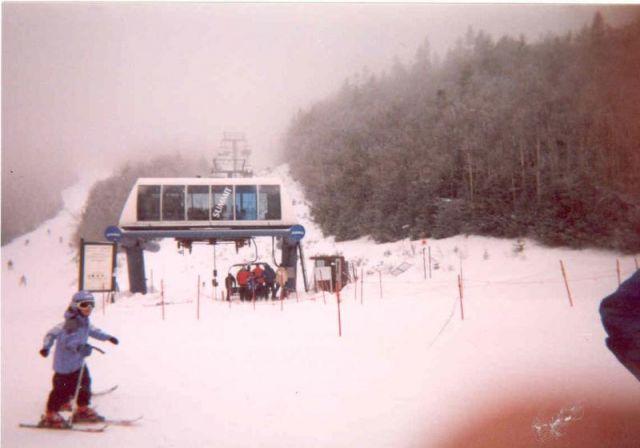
(376, 285)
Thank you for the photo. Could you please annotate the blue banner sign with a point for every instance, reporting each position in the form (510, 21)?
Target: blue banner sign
(296, 232)
(113, 233)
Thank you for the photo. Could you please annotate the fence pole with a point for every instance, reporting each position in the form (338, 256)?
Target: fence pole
(338, 285)
(429, 261)
(355, 283)
(461, 297)
(618, 270)
(282, 297)
(636, 260)
(324, 300)
(361, 285)
(162, 296)
(424, 263)
(566, 282)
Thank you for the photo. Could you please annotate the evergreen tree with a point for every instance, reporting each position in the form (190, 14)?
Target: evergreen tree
(502, 138)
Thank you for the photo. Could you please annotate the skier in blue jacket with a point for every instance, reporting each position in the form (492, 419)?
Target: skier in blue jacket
(71, 373)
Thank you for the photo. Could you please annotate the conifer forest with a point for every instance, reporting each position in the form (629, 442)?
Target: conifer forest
(502, 138)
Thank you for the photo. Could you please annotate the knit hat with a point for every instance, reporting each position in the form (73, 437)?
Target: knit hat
(82, 296)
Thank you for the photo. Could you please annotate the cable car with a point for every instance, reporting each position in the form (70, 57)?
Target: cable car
(207, 203)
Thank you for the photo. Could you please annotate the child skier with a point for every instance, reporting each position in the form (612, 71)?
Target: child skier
(71, 377)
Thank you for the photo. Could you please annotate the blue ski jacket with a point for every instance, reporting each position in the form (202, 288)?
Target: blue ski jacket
(269, 274)
(68, 337)
(620, 313)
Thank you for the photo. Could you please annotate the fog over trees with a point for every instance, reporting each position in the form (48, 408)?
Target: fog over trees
(502, 137)
(107, 197)
(92, 87)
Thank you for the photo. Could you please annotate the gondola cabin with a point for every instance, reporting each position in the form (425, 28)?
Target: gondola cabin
(192, 203)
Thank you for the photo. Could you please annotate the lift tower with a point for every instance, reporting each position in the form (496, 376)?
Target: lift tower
(232, 157)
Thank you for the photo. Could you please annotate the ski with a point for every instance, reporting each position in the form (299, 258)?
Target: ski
(65, 428)
(123, 421)
(177, 302)
(114, 421)
(104, 392)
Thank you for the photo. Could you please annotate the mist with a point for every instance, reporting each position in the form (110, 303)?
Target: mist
(87, 86)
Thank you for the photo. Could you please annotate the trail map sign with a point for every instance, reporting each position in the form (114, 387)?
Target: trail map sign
(97, 264)
(323, 274)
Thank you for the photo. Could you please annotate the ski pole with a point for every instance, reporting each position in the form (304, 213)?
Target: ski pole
(93, 347)
(74, 402)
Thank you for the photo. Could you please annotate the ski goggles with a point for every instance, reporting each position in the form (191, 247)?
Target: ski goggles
(86, 305)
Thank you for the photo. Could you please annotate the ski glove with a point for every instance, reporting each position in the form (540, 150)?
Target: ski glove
(114, 340)
(44, 352)
(84, 349)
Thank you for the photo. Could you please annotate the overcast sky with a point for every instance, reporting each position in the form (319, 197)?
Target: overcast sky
(92, 84)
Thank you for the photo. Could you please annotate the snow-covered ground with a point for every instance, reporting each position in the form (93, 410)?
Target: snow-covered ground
(407, 371)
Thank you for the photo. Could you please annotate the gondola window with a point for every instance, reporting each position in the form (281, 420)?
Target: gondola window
(269, 202)
(173, 203)
(246, 203)
(198, 202)
(221, 202)
(148, 203)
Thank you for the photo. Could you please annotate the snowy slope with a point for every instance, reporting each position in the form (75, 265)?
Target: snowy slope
(406, 372)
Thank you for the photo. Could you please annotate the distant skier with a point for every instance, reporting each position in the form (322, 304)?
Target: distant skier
(258, 275)
(251, 286)
(71, 377)
(620, 313)
(243, 279)
(281, 280)
(270, 281)
(23, 280)
(229, 283)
